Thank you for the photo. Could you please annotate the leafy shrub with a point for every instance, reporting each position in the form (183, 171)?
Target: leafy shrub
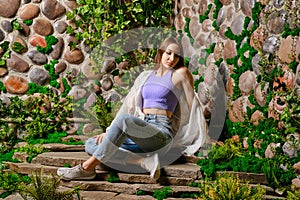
(45, 188)
(230, 187)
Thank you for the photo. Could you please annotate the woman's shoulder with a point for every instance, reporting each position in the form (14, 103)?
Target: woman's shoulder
(184, 73)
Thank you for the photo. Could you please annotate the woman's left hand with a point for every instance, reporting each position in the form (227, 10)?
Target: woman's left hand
(99, 138)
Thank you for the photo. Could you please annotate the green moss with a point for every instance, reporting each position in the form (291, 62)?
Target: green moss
(53, 76)
(2, 87)
(218, 5)
(293, 66)
(35, 88)
(28, 22)
(187, 30)
(67, 87)
(18, 47)
(16, 25)
(50, 40)
(5, 54)
(290, 32)
(205, 16)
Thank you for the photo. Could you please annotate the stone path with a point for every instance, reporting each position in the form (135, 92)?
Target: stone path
(176, 176)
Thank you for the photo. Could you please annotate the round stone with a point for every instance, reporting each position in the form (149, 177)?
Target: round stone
(52, 9)
(16, 85)
(17, 64)
(247, 6)
(247, 81)
(207, 25)
(275, 24)
(90, 70)
(286, 50)
(19, 41)
(271, 44)
(225, 2)
(29, 11)
(39, 76)
(37, 40)
(237, 25)
(2, 35)
(3, 71)
(221, 16)
(230, 49)
(37, 57)
(25, 29)
(230, 13)
(74, 56)
(187, 13)
(77, 92)
(9, 8)
(255, 64)
(203, 6)
(194, 27)
(60, 26)
(60, 67)
(42, 27)
(257, 38)
(57, 49)
(6, 25)
(107, 84)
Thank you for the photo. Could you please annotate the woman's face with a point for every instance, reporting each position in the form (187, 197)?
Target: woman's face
(171, 56)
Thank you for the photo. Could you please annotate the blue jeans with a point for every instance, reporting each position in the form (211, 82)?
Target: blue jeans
(129, 134)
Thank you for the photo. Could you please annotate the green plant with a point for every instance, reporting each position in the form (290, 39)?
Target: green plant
(28, 22)
(98, 20)
(18, 47)
(163, 193)
(31, 150)
(6, 52)
(45, 188)
(227, 186)
(10, 181)
(293, 195)
(113, 178)
(50, 40)
(16, 25)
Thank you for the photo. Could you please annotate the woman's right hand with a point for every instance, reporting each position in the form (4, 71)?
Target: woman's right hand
(99, 138)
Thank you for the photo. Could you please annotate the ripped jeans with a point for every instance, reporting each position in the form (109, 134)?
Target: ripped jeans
(131, 135)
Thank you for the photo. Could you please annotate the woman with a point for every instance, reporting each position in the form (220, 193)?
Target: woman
(160, 112)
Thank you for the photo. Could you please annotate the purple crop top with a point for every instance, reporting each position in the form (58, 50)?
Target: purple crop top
(160, 92)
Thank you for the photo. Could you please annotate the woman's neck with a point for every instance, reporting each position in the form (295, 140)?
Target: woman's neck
(161, 71)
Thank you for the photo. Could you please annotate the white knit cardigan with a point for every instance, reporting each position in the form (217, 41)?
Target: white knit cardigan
(190, 128)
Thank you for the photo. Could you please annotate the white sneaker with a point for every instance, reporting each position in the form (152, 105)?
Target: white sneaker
(75, 173)
(151, 164)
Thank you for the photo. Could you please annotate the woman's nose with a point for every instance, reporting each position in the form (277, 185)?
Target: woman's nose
(172, 56)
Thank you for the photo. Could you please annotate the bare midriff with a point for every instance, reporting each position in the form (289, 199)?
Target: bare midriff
(157, 112)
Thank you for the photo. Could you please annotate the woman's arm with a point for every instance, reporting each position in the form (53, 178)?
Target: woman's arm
(185, 78)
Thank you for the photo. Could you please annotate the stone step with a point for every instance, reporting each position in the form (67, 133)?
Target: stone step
(59, 159)
(28, 168)
(126, 188)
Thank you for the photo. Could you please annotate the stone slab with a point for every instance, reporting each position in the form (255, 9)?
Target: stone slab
(163, 180)
(96, 195)
(133, 197)
(183, 170)
(63, 147)
(102, 186)
(60, 158)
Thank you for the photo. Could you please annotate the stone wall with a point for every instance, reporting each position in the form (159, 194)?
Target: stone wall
(205, 22)
(26, 66)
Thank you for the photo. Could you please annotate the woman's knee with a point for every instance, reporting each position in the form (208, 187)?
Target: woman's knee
(90, 146)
